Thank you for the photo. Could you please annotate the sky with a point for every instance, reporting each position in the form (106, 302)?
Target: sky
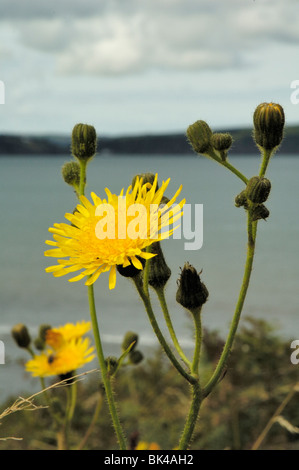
(145, 66)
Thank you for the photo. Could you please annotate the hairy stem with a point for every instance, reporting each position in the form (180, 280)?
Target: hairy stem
(105, 378)
(161, 296)
(251, 229)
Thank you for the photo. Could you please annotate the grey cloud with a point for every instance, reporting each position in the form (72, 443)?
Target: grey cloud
(125, 36)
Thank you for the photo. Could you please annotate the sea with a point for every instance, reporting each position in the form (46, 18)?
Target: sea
(34, 197)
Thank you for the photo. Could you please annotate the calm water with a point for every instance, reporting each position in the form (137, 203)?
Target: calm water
(34, 196)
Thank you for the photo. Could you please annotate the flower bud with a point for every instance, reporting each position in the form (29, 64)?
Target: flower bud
(129, 338)
(130, 271)
(71, 173)
(40, 341)
(268, 120)
(146, 178)
(260, 212)
(43, 331)
(241, 200)
(135, 357)
(21, 335)
(84, 141)
(258, 189)
(111, 364)
(222, 143)
(159, 272)
(191, 293)
(199, 135)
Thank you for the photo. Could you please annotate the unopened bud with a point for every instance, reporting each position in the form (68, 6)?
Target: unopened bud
(199, 135)
(84, 141)
(129, 338)
(268, 120)
(241, 200)
(71, 173)
(111, 364)
(159, 272)
(258, 189)
(135, 357)
(260, 212)
(146, 178)
(40, 341)
(21, 335)
(130, 271)
(191, 293)
(222, 143)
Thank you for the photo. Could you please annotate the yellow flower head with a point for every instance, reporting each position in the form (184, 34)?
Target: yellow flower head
(70, 331)
(66, 351)
(61, 361)
(107, 233)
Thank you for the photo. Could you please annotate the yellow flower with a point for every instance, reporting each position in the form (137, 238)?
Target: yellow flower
(142, 445)
(107, 233)
(66, 351)
(70, 331)
(68, 358)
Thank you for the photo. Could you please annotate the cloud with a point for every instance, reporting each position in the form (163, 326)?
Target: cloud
(115, 37)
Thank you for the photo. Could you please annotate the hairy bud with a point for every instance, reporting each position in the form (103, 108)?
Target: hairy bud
(84, 141)
(268, 120)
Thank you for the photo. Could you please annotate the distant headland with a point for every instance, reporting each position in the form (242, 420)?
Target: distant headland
(159, 144)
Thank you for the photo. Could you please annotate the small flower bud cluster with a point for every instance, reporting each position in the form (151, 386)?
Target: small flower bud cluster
(130, 341)
(256, 192)
(84, 144)
(204, 141)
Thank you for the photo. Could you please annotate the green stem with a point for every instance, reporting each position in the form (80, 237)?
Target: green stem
(236, 318)
(155, 326)
(83, 165)
(107, 384)
(72, 401)
(192, 417)
(266, 154)
(106, 381)
(161, 296)
(227, 165)
(198, 339)
(234, 170)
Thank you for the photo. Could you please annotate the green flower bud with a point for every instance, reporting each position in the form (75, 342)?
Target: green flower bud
(199, 135)
(258, 189)
(130, 271)
(21, 335)
(129, 338)
(260, 212)
(43, 331)
(39, 342)
(159, 272)
(222, 143)
(135, 357)
(191, 293)
(71, 173)
(241, 200)
(268, 120)
(111, 364)
(84, 141)
(146, 178)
